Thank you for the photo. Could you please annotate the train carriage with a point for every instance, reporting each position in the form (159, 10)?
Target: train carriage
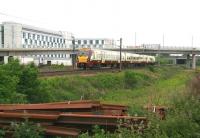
(90, 58)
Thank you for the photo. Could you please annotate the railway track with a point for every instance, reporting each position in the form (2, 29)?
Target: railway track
(74, 72)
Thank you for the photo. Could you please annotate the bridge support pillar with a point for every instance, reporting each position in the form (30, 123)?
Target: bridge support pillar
(5, 59)
(188, 61)
(174, 61)
(193, 61)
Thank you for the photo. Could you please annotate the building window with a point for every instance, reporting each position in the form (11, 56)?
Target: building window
(85, 41)
(33, 36)
(24, 34)
(42, 37)
(102, 42)
(54, 40)
(29, 35)
(91, 42)
(97, 41)
(46, 38)
(79, 42)
(38, 37)
(26, 41)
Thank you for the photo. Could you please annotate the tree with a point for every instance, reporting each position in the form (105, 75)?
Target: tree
(29, 83)
(8, 82)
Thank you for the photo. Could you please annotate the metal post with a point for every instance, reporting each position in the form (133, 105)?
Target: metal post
(158, 55)
(73, 54)
(188, 61)
(120, 66)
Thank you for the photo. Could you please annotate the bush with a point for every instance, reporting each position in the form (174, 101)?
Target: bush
(133, 79)
(107, 81)
(18, 83)
(29, 83)
(2, 133)
(27, 130)
(151, 68)
(9, 79)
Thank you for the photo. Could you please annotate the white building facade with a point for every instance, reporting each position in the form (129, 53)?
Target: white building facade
(40, 46)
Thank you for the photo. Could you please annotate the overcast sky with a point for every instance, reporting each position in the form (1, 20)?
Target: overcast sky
(179, 20)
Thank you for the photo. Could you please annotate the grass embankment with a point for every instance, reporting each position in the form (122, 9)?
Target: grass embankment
(131, 87)
(136, 88)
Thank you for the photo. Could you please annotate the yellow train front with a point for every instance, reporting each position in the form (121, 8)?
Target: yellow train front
(83, 58)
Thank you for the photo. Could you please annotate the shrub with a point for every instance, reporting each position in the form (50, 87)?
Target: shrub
(133, 79)
(9, 79)
(151, 68)
(107, 81)
(27, 130)
(2, 133)
(29, 83)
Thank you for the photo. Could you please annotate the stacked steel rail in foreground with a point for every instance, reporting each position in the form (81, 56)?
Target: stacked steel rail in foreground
(68, 118)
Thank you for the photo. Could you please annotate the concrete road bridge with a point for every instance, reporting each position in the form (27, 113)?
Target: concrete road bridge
(186, 52)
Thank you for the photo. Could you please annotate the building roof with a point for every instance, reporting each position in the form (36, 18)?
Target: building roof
(37, 29)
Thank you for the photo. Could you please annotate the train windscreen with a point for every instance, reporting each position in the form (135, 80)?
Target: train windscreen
(84, 53)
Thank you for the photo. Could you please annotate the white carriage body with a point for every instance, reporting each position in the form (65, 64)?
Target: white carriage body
(114, 56)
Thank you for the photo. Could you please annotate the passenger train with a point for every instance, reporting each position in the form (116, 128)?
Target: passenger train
(92, 58)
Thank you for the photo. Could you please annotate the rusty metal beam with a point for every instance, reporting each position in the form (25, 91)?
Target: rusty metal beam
(61, 131)
(28, 116)
(107, 120)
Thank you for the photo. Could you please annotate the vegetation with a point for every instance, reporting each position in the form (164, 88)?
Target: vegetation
(170, 86)
(19, 83)
(26, 130)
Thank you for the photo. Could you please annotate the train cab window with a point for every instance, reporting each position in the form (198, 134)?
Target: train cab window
(83, 53)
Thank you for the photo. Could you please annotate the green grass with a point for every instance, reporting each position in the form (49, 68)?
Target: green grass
(158, 92)
(130, 87)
